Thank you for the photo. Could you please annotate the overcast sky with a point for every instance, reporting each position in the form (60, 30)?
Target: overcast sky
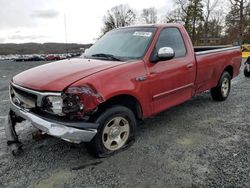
(43, 20)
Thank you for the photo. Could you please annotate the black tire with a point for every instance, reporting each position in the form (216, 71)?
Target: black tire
(246, 72)
(96, 146)
(219, 93)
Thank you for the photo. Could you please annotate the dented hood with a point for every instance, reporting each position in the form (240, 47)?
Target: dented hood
(58, 75)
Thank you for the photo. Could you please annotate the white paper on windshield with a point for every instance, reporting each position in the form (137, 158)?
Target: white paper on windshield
(142, 34)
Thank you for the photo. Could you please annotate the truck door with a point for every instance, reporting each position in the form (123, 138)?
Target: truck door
(172, 81)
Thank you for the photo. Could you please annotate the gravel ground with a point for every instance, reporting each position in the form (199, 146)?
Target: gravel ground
(200, 143)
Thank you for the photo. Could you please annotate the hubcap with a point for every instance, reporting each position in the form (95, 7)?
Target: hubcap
(225, 87)
(115, 133)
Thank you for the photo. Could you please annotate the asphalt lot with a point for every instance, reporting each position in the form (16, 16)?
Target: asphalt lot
(200, 143)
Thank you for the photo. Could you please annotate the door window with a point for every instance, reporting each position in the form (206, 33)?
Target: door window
(171, 37)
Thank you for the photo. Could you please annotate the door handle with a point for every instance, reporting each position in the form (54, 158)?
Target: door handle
(190, 66)
(141, 78)
(152, 74)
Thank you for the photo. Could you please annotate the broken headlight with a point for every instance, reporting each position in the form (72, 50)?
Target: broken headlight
(62, 105)
(72, 103)
(53, 104)
(75, 102)
(87, 96)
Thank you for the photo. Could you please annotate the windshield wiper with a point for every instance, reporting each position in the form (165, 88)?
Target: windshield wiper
(108, 56)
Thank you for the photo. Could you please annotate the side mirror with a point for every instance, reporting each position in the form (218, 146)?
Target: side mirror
(165, 53)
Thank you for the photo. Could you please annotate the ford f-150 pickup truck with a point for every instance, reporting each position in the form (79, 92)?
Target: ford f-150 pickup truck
(129, 74)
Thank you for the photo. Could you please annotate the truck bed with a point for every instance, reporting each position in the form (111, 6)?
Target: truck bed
(209, 48)
(211, 61)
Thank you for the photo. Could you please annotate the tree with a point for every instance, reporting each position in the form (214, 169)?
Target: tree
(175, 16)
(183, 10)
(237, 20)
(209, 8)
(118, 16)
(190, 13)
(195, 13)
(216, 23)
(149, 15)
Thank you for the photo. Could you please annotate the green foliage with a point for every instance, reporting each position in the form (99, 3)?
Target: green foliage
(214, 28)
(238, 21)
(200, 17)
(194, 17)
(203, 19)
(190, 14)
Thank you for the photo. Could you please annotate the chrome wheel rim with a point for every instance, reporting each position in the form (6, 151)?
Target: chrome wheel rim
(115, 133)
(225, 87)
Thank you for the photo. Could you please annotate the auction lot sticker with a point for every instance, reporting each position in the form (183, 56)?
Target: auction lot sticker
(142, 34)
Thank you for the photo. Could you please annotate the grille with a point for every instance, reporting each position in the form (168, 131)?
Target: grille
(22, 98)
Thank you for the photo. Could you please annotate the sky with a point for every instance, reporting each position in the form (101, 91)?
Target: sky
(43, 20)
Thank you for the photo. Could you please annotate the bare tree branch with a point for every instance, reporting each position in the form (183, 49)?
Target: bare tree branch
(118, 16)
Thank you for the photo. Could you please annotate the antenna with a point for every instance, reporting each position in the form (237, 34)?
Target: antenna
(66, 37)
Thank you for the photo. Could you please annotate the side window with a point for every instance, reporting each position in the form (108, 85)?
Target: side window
(171, 37)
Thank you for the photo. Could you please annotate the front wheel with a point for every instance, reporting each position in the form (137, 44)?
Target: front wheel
(222, 90)
(116, 131)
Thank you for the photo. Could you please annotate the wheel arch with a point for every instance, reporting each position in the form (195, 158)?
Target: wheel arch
(126, 100)
(229, 69)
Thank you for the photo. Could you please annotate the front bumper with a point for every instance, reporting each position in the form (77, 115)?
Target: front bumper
(75, 132)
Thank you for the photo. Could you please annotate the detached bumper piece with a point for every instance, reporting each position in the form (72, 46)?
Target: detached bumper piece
(10, 132)
(75, 132)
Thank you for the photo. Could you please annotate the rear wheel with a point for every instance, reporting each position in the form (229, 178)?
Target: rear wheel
(222, 90)
(116, 131)
(246, 72)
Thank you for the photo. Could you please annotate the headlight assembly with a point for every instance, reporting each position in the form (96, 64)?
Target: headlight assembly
(54, 104)
(61, 106)
(72, 103)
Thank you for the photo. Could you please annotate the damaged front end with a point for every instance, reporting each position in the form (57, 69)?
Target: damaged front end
(81, 101)
(60, 114)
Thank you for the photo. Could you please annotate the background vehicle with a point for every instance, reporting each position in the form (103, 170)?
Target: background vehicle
(247, 68)
(129, 74)
(52, 57)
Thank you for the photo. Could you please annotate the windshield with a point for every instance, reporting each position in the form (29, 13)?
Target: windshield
(122, 44)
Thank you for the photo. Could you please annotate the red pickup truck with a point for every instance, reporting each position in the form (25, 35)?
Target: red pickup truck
(129, 74)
